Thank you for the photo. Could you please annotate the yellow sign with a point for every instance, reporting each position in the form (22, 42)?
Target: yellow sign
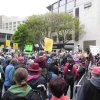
(2, 46)
(48, 44)
(15, 45)
(8, 43)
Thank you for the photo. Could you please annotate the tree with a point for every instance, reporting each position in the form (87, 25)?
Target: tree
(37, 27)
(66, 25)
(21, 36)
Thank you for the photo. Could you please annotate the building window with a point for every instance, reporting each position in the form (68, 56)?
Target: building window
(6, 26)
(69, 1)
(74, 3)
(62, 2)
(10, 23)
(18, 22)
(55, 5)
(8, 37)
(87, 5)
(2, 36)
(70, 12)
(77, 12)
(62, 9)
(14, 23)
(55, 10)
(23, 21)
(70, 6)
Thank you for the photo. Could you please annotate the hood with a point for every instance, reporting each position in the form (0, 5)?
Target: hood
(30, 77)
(96, 82)
(20, 90)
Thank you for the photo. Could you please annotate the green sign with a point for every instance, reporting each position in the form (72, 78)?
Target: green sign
(28, 47)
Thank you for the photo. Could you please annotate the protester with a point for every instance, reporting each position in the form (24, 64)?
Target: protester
(1, 78)
(42, 63)
(9, 73)
(70, 74)
(36, 80)
(21, 63)
(57, 87)
(21, 90)
(91, 88)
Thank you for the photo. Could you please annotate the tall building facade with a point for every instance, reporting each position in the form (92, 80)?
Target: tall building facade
(89, 15)
(8, 25)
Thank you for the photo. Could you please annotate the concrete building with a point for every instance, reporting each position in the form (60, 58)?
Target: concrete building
(88, 13)
(8, 25)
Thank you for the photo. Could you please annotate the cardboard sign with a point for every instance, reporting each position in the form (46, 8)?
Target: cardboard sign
(15, 46)
(95, 50)
(2, 46)
(48, 44)
(8, 43)
(28, 47)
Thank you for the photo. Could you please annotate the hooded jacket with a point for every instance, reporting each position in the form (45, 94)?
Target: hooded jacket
(21, 93)
(90, 90)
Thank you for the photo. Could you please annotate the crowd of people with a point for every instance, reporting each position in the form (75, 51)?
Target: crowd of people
(48, 76)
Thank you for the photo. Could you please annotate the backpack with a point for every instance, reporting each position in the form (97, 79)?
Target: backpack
(69, 76)
(35, 95)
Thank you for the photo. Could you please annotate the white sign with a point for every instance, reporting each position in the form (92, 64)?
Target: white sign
(95, 50)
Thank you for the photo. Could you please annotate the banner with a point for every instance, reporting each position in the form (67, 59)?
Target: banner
(28, 47)
(48, 44)
(8, 43)
(95, 50)
(15, 46)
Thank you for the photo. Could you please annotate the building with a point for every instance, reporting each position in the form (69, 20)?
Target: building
(89, 15)
(8, 25)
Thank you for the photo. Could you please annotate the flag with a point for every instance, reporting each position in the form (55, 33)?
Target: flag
(48, 44)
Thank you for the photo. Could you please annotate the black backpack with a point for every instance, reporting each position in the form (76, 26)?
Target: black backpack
(35, 95)
(69, 76)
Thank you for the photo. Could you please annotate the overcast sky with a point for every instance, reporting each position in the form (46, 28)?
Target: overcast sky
(24, 8)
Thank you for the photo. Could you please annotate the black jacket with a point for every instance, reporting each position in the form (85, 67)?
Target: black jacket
(90, 90)
(39, 84)
(32, 95)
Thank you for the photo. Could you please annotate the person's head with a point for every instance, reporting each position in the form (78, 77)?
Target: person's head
(20, 59)
(71, 61)
(96, 72)
(20, 76)
(14, 62)
(41, 61)
(34, 68)
(57, 86)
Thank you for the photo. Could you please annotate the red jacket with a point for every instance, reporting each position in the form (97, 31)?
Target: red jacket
(61, 98)
(74, 70)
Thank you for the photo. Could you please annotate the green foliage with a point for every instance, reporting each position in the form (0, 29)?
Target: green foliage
(21, 36)
(66, 26)
(37, 27)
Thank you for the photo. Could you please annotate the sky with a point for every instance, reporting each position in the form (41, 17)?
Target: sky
(23, 8)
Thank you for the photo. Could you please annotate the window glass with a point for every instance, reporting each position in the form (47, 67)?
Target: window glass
(62, 2)
(62, 9)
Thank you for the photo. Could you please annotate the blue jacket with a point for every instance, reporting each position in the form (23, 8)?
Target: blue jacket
(9, 73)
